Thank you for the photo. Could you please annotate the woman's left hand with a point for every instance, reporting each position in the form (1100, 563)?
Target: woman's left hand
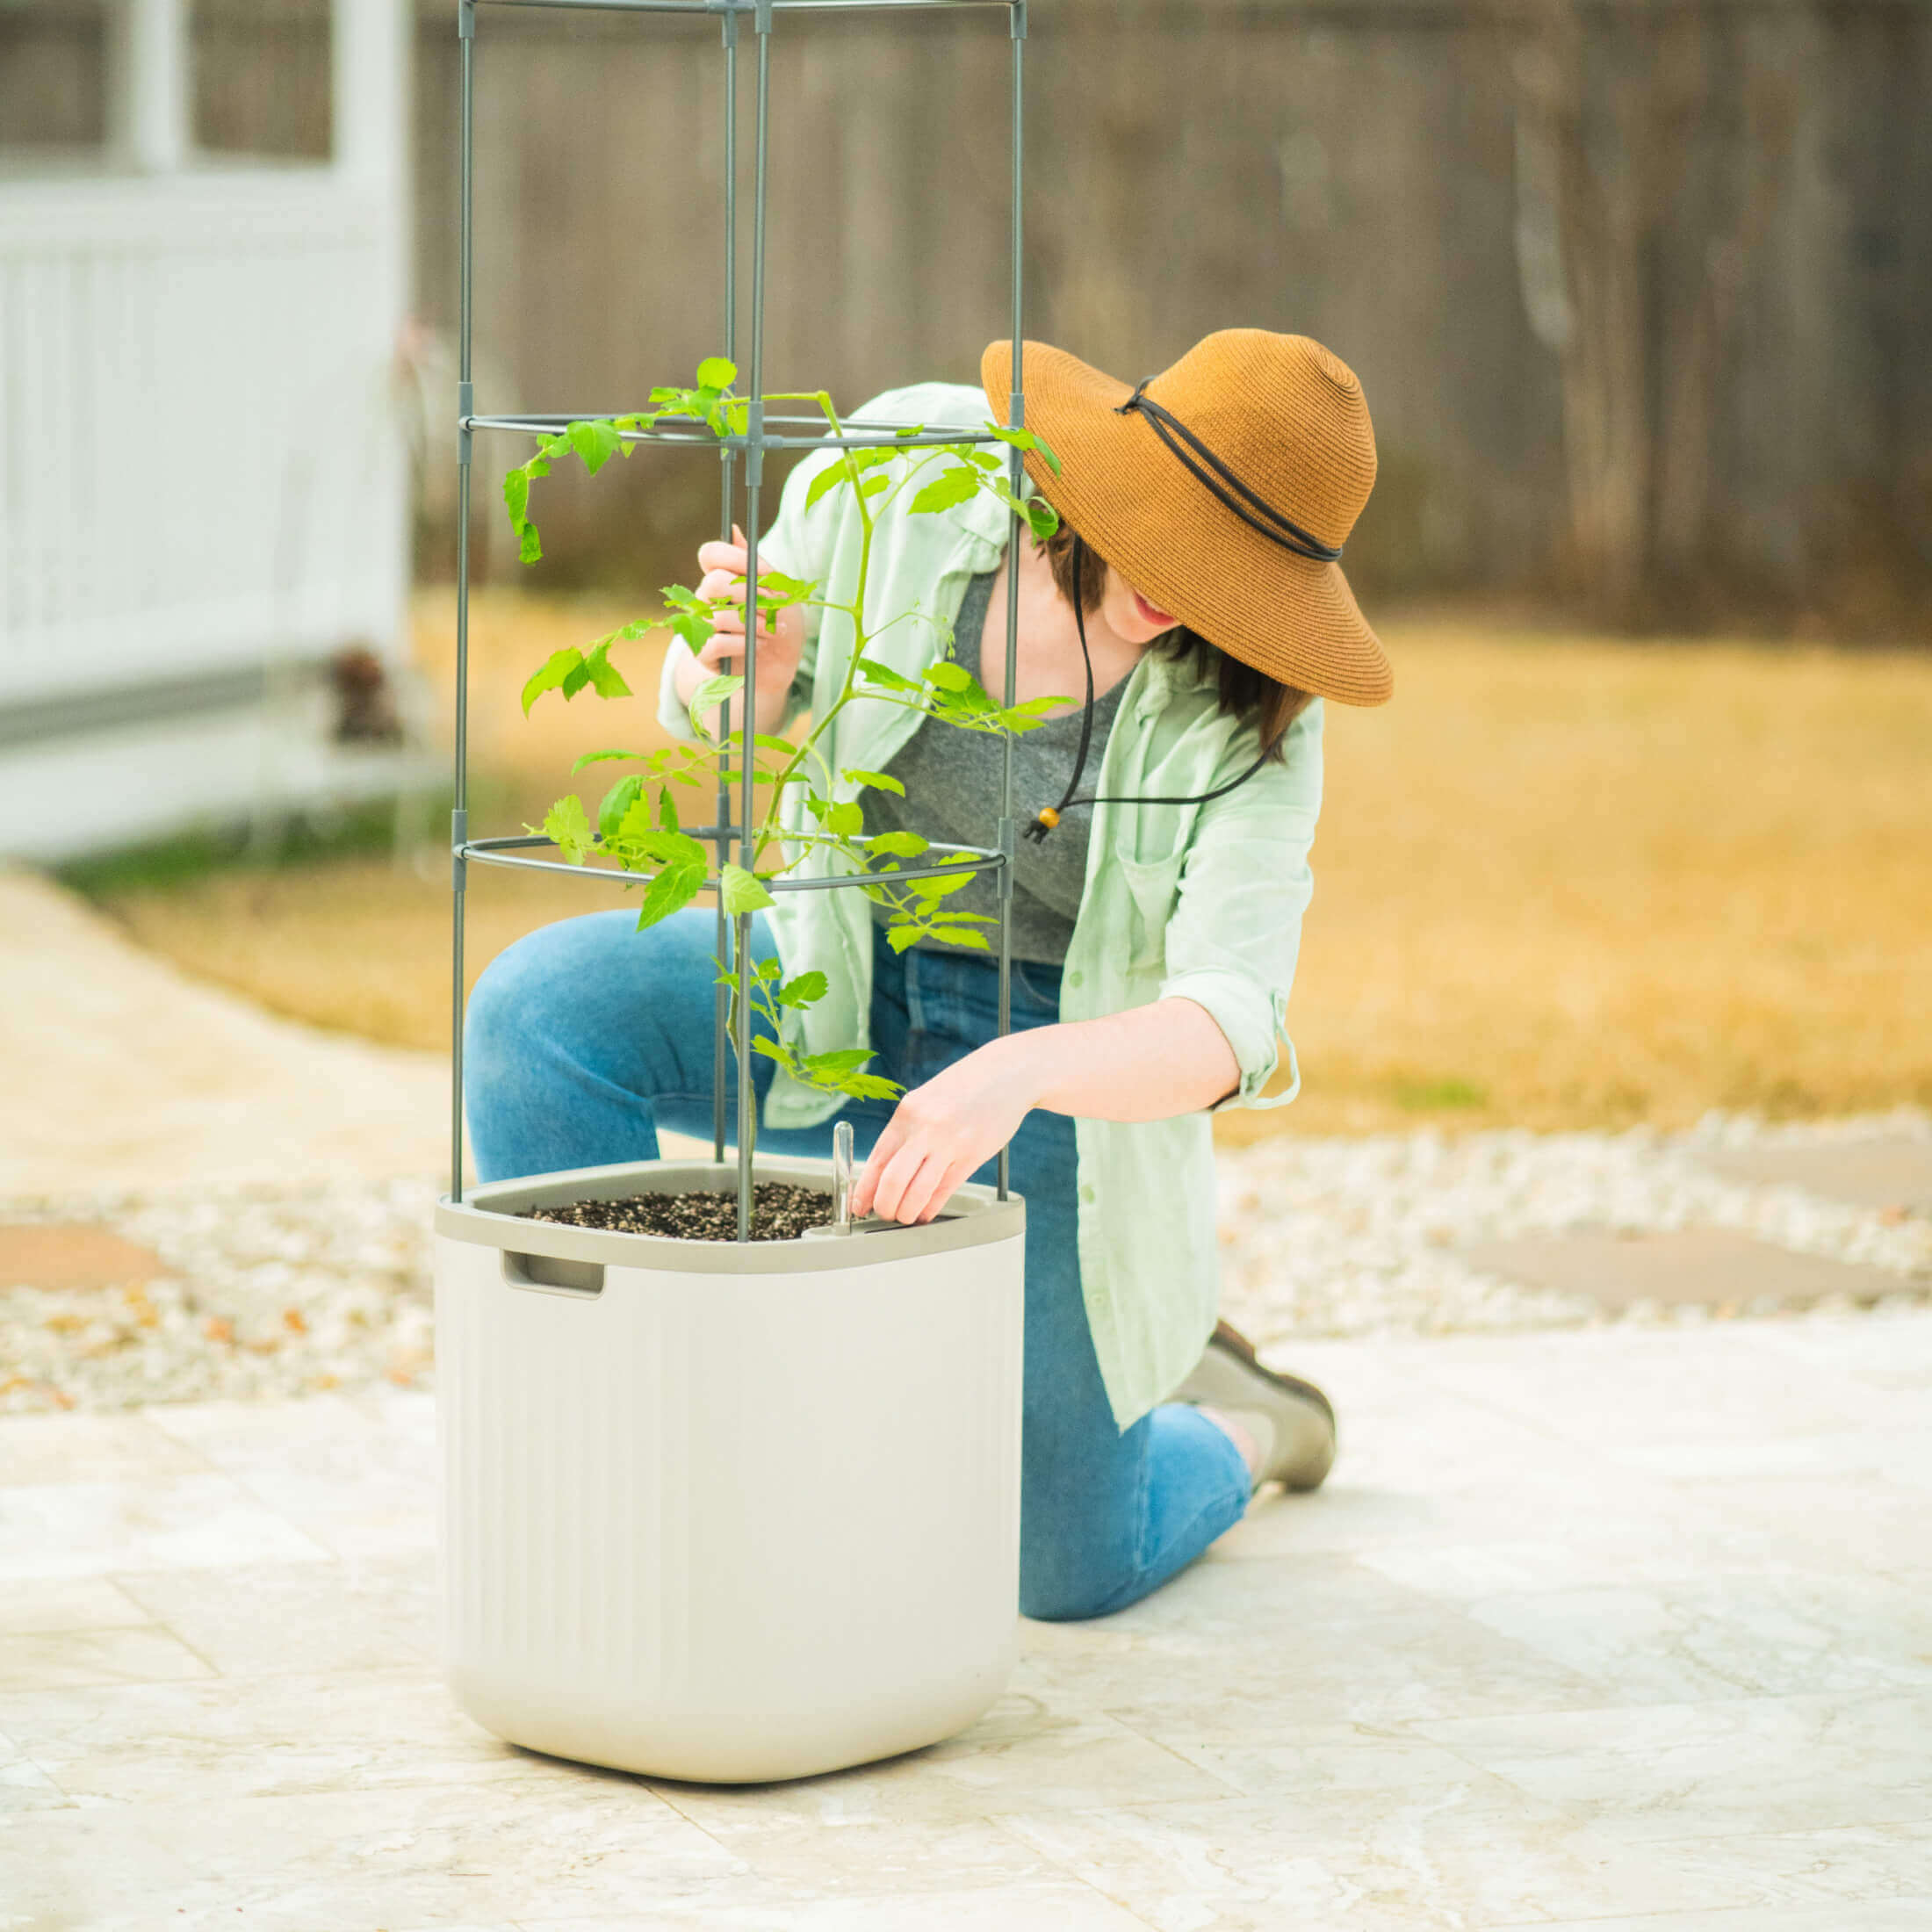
(939, 1133)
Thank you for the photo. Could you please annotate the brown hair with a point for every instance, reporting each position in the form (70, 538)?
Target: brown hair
(1245, 692)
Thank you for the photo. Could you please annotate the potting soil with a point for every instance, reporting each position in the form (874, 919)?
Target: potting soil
(779, 1212)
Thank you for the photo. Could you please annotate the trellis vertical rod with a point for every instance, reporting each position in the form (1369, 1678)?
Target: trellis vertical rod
(722, 1007)
(459, 813)
(1016, 416)
(754, 475)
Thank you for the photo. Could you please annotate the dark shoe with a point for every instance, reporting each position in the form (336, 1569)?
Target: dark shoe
(1230, 1377)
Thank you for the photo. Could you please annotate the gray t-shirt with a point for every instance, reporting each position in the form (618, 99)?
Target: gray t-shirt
(952, 780)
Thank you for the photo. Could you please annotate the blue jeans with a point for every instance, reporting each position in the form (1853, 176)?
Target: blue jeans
(586, 1037)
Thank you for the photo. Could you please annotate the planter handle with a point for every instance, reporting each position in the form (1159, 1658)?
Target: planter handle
(553, 1274)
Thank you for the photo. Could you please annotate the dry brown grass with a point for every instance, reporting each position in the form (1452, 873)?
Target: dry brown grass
(1560, 882)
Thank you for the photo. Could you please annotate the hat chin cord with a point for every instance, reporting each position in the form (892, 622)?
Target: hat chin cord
(1256, 512)
(1049, 815)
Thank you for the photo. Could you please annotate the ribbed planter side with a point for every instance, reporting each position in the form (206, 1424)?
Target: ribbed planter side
(728, 1526)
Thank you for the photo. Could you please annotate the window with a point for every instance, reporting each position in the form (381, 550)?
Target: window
(262, 78)
(54, 92)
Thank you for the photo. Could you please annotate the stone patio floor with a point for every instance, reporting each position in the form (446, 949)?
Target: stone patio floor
(1622, 1627)
(1615, 1626)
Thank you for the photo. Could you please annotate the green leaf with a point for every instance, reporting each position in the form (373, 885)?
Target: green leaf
(899, 937)
(772, 1050)
(804, 990)
(638, 839)
(671, 892)
(617, 802)
(603, 675)
(529, 550)
(827, 480)
(716, 373)
(596, 442)
(1025, 439)
(1034, 713)
(898, 845)
(946, 490)
(694, 627)
(574, 679)
(598, 758)
(1041, 518)
(869, 1086)
(879, 781)
(875, 672)
(516, 497)
(938, 888)
(844, 820)
(667, 811)
(774, 587)
(743, 891)
(565, 824)
(840, 1060)
(557, 667)
(714, 691)
(945, 675)
(771, 742)
(959, 935)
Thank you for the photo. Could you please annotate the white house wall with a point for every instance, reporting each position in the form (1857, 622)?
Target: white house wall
(201, 468)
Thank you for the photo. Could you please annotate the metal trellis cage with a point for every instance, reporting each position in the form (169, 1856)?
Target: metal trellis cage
(743, 462)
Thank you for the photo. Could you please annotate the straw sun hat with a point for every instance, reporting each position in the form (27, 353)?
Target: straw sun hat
(1222, 489)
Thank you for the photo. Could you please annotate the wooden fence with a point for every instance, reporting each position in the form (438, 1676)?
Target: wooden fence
(1636, 292)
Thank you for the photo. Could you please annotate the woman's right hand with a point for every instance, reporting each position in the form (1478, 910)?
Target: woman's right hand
(779, 644)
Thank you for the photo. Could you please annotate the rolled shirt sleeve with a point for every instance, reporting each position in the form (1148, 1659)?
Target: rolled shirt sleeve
(1235, 934)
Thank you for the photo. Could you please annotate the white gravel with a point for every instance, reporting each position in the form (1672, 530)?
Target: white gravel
(281, 1294)
(1358, 1238)
(266, 1294)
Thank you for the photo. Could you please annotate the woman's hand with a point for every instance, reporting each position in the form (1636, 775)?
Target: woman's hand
(779, 646)
(1147, 1064)
(939, 1133)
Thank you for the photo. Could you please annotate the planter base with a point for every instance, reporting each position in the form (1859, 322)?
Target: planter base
(722, 1513)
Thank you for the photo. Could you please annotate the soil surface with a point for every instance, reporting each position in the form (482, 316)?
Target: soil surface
(779, 1212)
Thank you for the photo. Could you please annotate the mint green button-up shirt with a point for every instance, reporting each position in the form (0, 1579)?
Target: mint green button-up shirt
(1200, 902)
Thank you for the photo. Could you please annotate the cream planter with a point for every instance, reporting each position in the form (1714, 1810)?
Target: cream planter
(721, 1512)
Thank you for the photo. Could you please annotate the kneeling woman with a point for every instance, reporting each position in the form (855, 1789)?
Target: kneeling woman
(1194, 594)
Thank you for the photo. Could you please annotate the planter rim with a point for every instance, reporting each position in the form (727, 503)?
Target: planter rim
(489, 1215)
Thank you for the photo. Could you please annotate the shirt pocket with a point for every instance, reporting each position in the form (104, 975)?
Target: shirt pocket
(1152, 887)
